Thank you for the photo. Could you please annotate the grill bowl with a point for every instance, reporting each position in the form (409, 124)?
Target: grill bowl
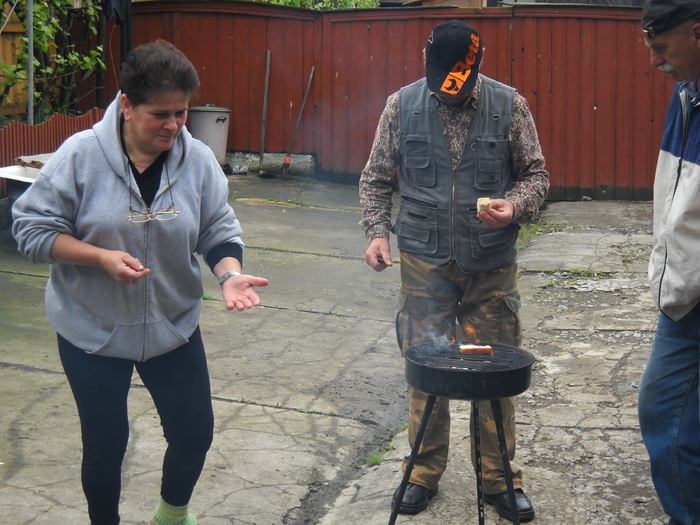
(442, 370)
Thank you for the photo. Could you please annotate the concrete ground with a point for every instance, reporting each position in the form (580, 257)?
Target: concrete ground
(309, 385)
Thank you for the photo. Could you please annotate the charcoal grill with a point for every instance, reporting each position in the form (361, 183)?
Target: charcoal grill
(441, 370)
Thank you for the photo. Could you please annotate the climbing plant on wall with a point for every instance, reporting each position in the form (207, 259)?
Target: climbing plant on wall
(65, 53)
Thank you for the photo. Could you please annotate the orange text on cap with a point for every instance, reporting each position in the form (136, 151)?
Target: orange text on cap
(461, 70)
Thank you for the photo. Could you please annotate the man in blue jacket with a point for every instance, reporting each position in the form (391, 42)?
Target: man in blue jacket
(669, 409)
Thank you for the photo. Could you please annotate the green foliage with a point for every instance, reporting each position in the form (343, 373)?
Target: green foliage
(539, 228)
(376, 457)
(295, 202)
(65, 55)
(325, 5)
(586, 273)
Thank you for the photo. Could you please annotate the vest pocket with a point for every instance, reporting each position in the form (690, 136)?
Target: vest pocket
(419, 168)
(487, 242)
(491, 153)
(416, 228)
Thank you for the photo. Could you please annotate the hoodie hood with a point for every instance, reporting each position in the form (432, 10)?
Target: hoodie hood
(108, 134)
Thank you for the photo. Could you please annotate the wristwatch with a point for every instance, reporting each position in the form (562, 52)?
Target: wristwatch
(225, 277)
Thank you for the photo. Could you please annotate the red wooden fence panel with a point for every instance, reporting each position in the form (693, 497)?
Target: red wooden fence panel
(368, 56)
(579, 69)
(586, 75)
(227, 43)
(584, 70)
(20, 139)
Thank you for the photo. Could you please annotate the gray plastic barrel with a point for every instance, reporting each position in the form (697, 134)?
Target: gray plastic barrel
(210, 125)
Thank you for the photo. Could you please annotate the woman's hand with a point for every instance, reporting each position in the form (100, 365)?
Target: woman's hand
(124, 268)
(239, 292)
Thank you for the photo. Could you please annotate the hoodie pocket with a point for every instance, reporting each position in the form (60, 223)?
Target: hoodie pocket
(140, 342)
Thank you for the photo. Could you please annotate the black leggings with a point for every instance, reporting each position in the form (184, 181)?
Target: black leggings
(179, 385)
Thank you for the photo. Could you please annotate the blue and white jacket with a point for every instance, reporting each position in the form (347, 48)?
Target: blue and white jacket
(674, 267)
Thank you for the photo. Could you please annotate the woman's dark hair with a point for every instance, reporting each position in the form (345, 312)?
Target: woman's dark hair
(153, 69)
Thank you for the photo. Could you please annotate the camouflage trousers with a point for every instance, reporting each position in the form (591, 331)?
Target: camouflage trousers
(436, 303)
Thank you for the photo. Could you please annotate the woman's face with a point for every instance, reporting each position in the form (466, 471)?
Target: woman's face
(153, 127)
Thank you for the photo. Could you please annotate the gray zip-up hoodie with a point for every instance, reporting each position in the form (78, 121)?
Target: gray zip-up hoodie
(85, 190)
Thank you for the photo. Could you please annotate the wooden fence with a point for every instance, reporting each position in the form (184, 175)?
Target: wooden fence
(10, 39)
(20, 139)
(584, 70)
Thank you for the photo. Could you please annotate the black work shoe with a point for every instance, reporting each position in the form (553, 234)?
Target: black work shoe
(526, 511)
(415, 499)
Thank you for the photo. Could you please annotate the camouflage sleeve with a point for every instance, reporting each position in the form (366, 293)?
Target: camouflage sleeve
(379, 179)
(531, 179)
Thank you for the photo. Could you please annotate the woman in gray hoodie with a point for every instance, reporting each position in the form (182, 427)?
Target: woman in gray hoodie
(119, 212)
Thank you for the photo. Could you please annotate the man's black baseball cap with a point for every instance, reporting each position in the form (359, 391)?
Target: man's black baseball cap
(452, 57)
(661, 15)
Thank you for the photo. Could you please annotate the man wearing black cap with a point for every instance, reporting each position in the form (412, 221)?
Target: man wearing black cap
(669, 404)
(456, 137)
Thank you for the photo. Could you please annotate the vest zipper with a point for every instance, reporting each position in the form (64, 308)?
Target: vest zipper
(452, 215)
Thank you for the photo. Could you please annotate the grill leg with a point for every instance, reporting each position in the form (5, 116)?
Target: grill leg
(477, 451)
(498, 416)
(429, 404)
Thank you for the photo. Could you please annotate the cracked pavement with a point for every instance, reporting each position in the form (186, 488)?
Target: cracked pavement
(307, 386)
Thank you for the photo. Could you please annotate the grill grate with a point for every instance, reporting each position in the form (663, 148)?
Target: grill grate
(448, 357)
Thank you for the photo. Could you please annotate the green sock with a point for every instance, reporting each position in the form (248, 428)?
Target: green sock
(167, 514)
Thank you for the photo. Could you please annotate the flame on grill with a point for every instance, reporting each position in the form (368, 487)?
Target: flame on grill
(475, 348)
(470, 332)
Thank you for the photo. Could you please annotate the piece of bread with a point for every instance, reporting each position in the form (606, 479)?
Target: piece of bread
(475, 349)
(483, 204)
